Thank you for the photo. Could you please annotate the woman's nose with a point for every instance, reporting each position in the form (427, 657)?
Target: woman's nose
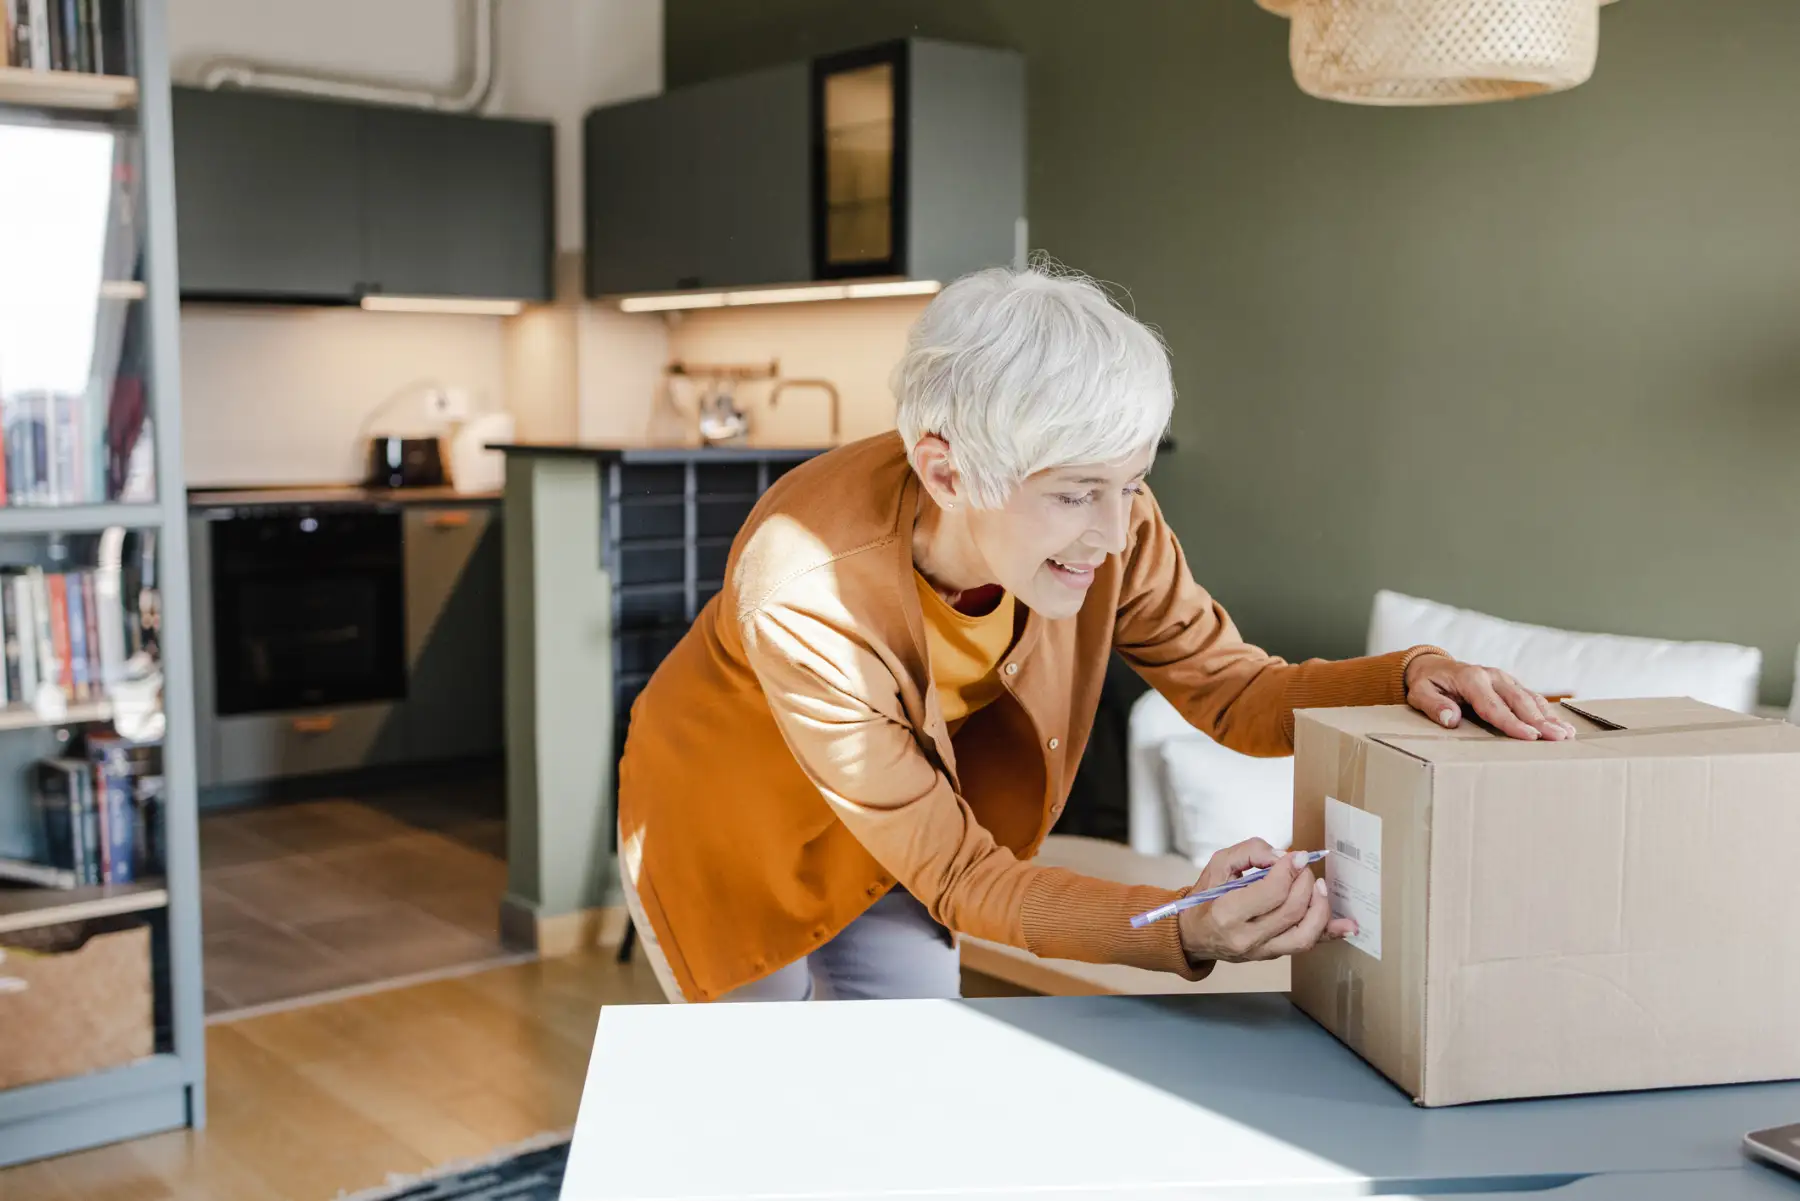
(1113, 521)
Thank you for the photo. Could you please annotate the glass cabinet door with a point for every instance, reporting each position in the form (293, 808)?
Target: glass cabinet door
(859, 116)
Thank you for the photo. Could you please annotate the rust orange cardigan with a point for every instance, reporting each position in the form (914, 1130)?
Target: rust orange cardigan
(788, 762)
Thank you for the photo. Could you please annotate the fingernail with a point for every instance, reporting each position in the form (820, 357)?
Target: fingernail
(1299, 860)
(1531, 734)
(1448, 717)
(1319, 887)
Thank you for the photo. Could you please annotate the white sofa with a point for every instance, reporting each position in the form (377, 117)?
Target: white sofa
(1189, 797)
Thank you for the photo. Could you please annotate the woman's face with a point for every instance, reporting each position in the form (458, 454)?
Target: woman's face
(1044, 544)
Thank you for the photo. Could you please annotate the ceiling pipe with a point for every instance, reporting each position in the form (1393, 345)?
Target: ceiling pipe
(258, 77)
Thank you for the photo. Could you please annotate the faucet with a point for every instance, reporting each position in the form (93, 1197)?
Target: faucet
(829, 388)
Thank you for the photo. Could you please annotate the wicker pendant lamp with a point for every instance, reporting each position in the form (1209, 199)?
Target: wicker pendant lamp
(1416, 52)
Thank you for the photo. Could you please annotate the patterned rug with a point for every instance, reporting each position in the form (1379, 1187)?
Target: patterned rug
(531, 1171)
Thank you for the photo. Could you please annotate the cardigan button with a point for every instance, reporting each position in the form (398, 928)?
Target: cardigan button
(1054, 743)
(1012, 669)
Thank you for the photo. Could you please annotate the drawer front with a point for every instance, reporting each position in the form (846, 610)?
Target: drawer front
(652, 479)
(655, 517)
(273, 746)
(658, 563)
(726, 477)
(710, 559)
(653, 606)
(721, 518)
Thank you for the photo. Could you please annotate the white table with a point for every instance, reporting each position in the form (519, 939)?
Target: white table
(1089, 1097)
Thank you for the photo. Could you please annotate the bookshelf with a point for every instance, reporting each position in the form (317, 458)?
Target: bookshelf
(70, 90)
(91, 465)
(23, 909)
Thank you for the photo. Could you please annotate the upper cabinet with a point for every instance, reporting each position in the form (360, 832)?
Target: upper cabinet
(268, 196)
(900, 160)
(457, 206)
(294, 199)
(702, 187)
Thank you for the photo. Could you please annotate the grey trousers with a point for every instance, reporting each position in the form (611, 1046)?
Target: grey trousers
(893, 952)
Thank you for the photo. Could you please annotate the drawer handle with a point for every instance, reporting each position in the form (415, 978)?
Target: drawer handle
(447, 521)
(314, 725)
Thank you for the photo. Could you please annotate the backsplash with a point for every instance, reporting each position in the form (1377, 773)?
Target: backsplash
(852, 343)
(281, 395)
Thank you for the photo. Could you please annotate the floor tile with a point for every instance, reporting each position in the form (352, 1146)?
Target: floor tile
(404, 867)
(295, 890)
(270, 965)
(474, 910)
(398, 939)
(317, 825)
(226, 842)
(221, 913)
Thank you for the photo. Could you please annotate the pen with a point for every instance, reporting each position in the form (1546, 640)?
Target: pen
(1211, 894)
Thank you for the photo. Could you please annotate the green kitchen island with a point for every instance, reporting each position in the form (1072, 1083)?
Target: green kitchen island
(611, 551)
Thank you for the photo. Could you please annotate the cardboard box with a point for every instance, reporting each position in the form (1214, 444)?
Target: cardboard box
(73, 999)
(1614, 912)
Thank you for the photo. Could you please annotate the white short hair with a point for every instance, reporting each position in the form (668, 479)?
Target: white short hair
(1024, 371)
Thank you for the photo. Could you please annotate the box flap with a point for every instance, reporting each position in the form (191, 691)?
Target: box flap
(1744, 736)
(1647, 713)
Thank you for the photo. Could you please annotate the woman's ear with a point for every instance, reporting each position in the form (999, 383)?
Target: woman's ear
(931, 460)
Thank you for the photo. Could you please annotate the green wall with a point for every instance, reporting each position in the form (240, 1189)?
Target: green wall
(1541, 358)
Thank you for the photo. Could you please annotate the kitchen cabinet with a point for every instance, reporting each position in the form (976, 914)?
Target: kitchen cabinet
(454, 699)
(904, 159)
(919, 160)
(702, 187)
(302, 200)
(269, 196)
(256, 747)
(455, 206)
(453, 707)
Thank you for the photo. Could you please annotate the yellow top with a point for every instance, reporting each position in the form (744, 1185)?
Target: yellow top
(965, 651)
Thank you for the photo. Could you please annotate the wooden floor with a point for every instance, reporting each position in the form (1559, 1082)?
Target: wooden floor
(312, 1102)
(331, 1098)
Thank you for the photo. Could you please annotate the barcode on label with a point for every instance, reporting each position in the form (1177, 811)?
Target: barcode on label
(1347, 850)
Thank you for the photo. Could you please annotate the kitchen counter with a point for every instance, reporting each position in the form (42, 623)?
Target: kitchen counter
(671, 452)
(662, 452)
(334, 494)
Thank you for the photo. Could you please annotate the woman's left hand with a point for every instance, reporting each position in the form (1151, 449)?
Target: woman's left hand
(1439, 686)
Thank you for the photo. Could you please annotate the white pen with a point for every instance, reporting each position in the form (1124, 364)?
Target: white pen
(1212, 894)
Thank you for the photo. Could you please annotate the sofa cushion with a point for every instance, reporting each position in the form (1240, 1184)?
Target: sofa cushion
(1568, 663)
(1219, 798)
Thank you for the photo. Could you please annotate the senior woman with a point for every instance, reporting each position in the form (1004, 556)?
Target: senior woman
(862, 741)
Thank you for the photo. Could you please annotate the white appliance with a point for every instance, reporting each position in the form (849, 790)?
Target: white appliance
(473, 467)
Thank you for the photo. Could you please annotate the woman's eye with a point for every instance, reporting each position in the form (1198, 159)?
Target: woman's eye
(1134, 490)
(1076, 500)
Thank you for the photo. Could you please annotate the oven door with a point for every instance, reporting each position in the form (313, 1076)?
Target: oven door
(309, 609)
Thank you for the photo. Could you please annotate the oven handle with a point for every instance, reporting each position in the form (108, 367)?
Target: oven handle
(315, 725)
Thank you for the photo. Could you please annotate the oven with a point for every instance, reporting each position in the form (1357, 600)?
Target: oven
(309, 607)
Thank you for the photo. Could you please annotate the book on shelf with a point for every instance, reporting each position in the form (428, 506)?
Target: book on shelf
(78, 633)
(99, 816)
(93, 36)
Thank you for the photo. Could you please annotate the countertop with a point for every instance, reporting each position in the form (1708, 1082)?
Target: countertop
(646, 451)
(333, 494)
(662, 452)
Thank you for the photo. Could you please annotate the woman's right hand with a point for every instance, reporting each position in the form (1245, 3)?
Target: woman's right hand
(1284, 913)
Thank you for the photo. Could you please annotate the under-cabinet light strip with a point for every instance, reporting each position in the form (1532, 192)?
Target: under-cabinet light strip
(666, 302)
(443, 304)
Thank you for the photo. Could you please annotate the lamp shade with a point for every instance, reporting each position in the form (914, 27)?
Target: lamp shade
(1419, 52)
